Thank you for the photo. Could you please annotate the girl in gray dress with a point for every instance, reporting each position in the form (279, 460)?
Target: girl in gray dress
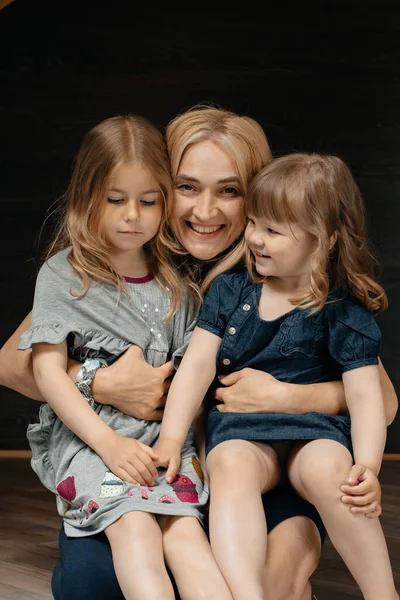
(107, 284)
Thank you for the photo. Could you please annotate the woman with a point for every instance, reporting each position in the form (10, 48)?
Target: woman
(214, 155)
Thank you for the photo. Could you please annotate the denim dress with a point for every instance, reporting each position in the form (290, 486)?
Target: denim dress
(297, 347)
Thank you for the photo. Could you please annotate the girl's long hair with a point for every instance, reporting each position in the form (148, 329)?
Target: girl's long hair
(243, 140)
(114, 142)
(320, 195)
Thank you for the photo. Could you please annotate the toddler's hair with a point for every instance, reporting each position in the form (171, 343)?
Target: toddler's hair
(320, 195)
(114, 142)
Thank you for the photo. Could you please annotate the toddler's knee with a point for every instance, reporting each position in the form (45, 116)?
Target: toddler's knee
(229, 458)
(325, 473)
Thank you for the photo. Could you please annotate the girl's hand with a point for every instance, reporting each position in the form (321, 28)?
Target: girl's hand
(169, 456)
(134, 387)
(130, 460)
(250, 391)
(363, 492)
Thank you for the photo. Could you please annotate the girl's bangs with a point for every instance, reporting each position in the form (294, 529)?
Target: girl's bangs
(276, 200)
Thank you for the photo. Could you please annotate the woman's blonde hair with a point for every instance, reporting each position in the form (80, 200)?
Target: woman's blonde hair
(319, 194)
(114, 142)
(243, 140)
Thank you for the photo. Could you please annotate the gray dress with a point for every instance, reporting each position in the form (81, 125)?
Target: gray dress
(89, 496)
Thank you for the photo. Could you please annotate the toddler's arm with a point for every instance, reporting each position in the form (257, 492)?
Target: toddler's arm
(368, 420)
(188, 388)
(127, 458)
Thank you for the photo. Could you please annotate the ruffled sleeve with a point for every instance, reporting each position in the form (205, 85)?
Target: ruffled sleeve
(51, 305)
(58, 312)
(354, 337)
(221, 302)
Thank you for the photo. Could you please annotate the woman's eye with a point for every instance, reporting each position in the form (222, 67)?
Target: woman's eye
(148, 202)
(231, 191)
(185, 187)
(115, 200)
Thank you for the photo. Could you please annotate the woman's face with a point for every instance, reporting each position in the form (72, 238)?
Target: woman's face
(208, 201)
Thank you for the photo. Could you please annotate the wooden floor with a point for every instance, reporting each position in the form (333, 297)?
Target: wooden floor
(29, 527)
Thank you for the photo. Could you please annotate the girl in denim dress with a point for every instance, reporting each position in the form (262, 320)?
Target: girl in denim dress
(302, 311)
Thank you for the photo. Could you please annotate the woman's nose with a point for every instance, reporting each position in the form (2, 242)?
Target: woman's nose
(205, 208)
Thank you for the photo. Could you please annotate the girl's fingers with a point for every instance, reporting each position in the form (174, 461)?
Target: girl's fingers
(172, 470)
(134, 473)
(356, 490)
(364, 510)
(359, 500)
(375, 513)
(142, 471)
(356, 472)
(126, 475)
(149, 451)
(146, 463)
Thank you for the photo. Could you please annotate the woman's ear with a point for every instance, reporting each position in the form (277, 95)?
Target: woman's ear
(333, 239)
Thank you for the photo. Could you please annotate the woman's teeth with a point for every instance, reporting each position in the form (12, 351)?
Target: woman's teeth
(199, 229)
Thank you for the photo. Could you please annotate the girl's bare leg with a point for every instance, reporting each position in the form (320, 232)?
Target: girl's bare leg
(317, 470)
(293, 553)
(136, 544)
(239, 472)
(188, 554)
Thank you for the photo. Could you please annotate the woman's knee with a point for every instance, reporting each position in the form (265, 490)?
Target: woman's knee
(293, 554)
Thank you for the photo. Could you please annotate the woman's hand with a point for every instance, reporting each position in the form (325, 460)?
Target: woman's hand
(169, 457)
(363, 492)
(130, 460)
(250, 391)
(133, 386)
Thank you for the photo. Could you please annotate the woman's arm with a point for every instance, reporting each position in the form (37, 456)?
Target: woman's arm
(250, 390)
(389, 394)
(133, 386)
(16, 370)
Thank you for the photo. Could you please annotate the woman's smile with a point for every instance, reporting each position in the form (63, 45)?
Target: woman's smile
(208, 204)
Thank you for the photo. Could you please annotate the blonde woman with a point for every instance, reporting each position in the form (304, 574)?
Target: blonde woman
(214, 155)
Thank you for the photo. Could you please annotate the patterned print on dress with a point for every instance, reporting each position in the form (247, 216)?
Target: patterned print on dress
(145, 492)
(185, 489)
(197, 467)
(111, 485)
(166, 500)
(91, 509)
(66, 490)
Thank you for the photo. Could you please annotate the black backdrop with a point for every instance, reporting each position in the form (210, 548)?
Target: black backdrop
(320, 76)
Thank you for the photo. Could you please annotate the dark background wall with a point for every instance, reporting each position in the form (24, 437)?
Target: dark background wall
(320, 76)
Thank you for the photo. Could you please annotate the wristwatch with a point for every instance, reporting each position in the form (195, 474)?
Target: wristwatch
(86, 373)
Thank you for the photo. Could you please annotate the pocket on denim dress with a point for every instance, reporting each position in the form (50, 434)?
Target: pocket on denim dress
(301, 336)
